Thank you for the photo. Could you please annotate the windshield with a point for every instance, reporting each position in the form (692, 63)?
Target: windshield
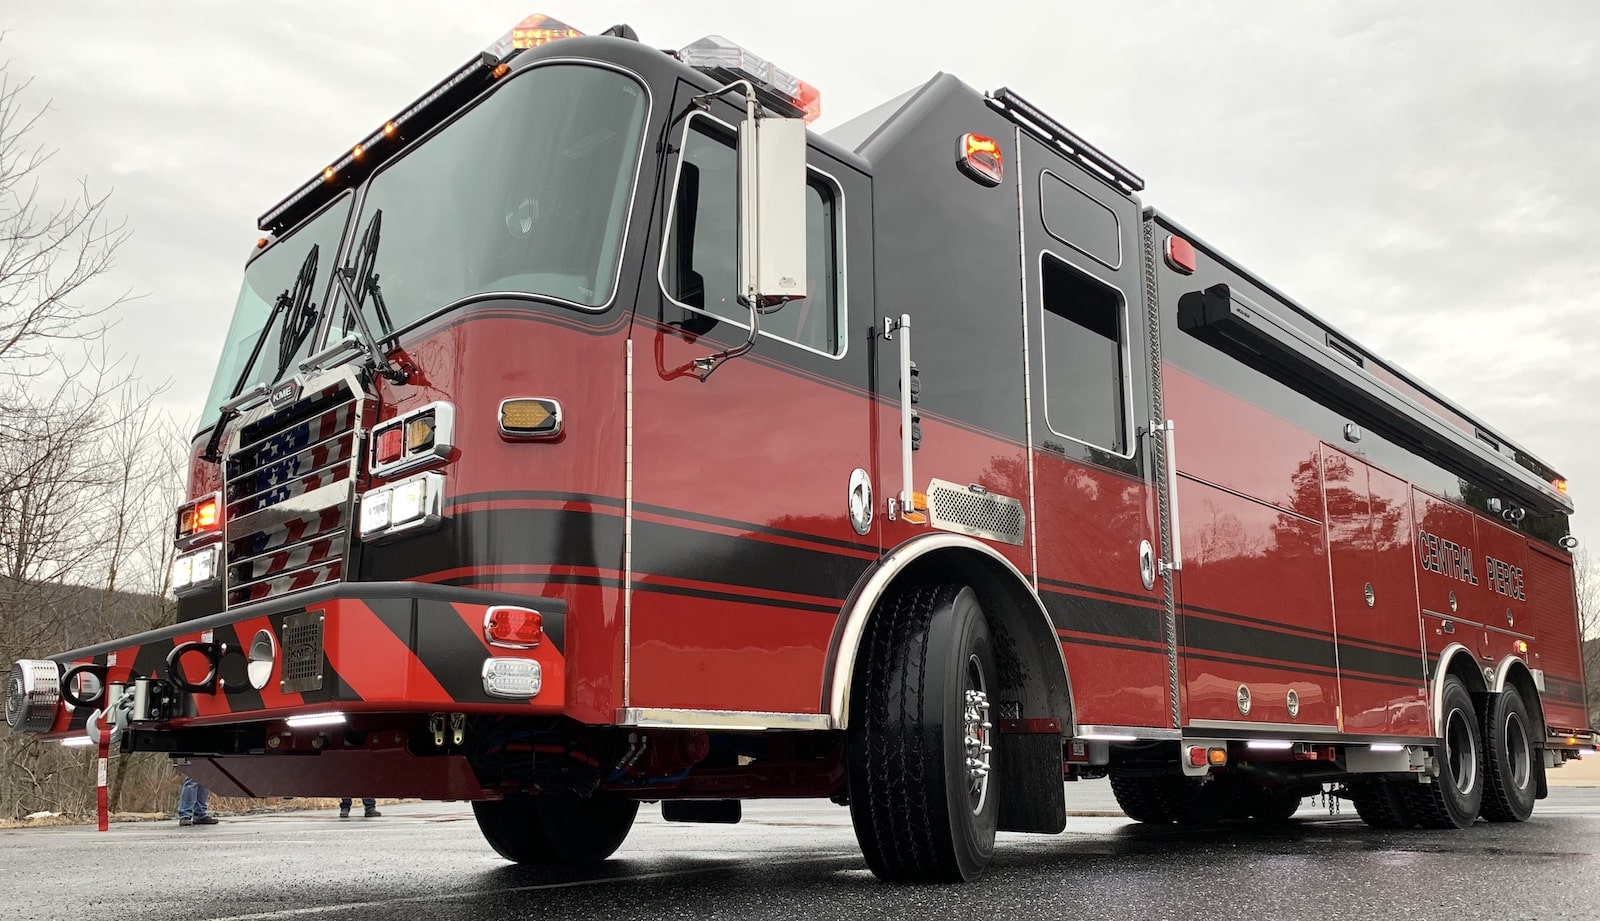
(528, 192)
(270, 277)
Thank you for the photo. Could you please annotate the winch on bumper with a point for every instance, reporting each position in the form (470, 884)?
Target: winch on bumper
(337, 650)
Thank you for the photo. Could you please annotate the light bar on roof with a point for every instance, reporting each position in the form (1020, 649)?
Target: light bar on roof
(532, 32)
(364, 156)
(777, 87)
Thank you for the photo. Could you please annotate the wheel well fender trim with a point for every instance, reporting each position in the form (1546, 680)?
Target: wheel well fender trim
(1516, 673)
(1447, 661)
(1502, 672)
(970, 557)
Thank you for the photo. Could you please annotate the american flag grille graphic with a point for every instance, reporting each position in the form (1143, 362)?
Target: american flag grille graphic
(288, 496)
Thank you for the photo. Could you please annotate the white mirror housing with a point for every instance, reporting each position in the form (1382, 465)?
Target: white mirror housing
(772, 209)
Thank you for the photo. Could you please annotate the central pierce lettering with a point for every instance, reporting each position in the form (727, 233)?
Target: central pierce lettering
(1446, 557)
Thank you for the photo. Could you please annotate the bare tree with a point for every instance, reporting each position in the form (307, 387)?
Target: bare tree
(89, 471)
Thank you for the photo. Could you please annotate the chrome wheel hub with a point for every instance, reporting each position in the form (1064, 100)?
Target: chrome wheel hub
(977, 744)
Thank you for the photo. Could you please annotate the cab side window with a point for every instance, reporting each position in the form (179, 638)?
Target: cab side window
(700, 263)
(1085, 332)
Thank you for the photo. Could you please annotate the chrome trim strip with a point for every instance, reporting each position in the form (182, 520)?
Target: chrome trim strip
(1138, 732)
(752, 720)
(627, 526)
(1288, 728)
(1027, 366)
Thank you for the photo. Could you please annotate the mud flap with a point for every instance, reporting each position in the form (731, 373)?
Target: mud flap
(1033, 796)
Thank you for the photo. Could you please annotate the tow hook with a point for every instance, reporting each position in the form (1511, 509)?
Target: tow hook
(458, 728)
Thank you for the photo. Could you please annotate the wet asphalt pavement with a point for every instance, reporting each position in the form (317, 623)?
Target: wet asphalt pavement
(798, 860)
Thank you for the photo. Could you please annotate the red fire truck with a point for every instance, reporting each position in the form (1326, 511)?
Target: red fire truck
(590, 433)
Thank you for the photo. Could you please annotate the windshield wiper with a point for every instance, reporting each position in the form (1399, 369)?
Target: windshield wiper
(357, 281)
(301, 319)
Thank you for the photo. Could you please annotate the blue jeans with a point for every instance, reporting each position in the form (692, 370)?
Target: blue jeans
(192, 800)
(368, 802)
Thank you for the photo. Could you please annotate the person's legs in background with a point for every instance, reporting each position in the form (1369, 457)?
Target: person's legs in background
(371, 807)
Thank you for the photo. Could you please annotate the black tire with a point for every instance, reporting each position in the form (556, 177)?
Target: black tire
(1510, 773)
(1383, 803)
(1143, 799)
(1453, 798)
(1266, 805)
(555, 828)
(1197, 801)
(920, 814)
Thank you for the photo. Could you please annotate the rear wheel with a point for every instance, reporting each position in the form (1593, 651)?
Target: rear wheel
(1143, 799)
(1453, 798)
(1508, 759)
(920, 750)
(1266, 805)
(1383, 803)
(555, 828)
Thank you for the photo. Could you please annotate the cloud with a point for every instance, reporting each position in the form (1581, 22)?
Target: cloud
(1423, 176)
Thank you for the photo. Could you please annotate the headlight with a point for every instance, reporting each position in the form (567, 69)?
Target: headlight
(406, 507)
(194, 571)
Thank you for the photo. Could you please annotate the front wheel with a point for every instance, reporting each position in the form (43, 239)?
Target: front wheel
(1508, 759)
(920, 746)
(1455, 794)
(555, 828)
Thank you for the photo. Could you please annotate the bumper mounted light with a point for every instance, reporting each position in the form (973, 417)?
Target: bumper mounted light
(33, 693)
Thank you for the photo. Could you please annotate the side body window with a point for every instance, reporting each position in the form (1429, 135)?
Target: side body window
(1085, 334)
(700, 263)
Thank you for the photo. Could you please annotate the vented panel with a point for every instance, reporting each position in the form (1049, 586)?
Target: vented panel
(302, 652)
(954, 507)
(288, 508)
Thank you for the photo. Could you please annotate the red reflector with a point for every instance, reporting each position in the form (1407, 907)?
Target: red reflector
(514, 627)
(1197, 757)
(980, 158)
(1180, 254)
(390, 442)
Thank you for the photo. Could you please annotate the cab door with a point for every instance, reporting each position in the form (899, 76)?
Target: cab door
(743, 546)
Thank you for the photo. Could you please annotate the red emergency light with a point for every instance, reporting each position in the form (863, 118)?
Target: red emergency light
(519, 628)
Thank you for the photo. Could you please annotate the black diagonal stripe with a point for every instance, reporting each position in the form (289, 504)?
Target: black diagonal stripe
(241, 696)
(445, 645)
(1241, 639)
(1081, 614)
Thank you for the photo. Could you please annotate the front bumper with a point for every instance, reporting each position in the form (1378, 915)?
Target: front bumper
(391, 647)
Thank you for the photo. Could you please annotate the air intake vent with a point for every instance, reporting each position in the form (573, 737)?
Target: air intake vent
(302, 652)
(975, 511)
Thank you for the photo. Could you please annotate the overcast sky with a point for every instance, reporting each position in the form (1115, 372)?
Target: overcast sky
(1425, 176)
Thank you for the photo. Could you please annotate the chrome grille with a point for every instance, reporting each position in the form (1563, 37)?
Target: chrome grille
(954, 507)
(287, 495)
